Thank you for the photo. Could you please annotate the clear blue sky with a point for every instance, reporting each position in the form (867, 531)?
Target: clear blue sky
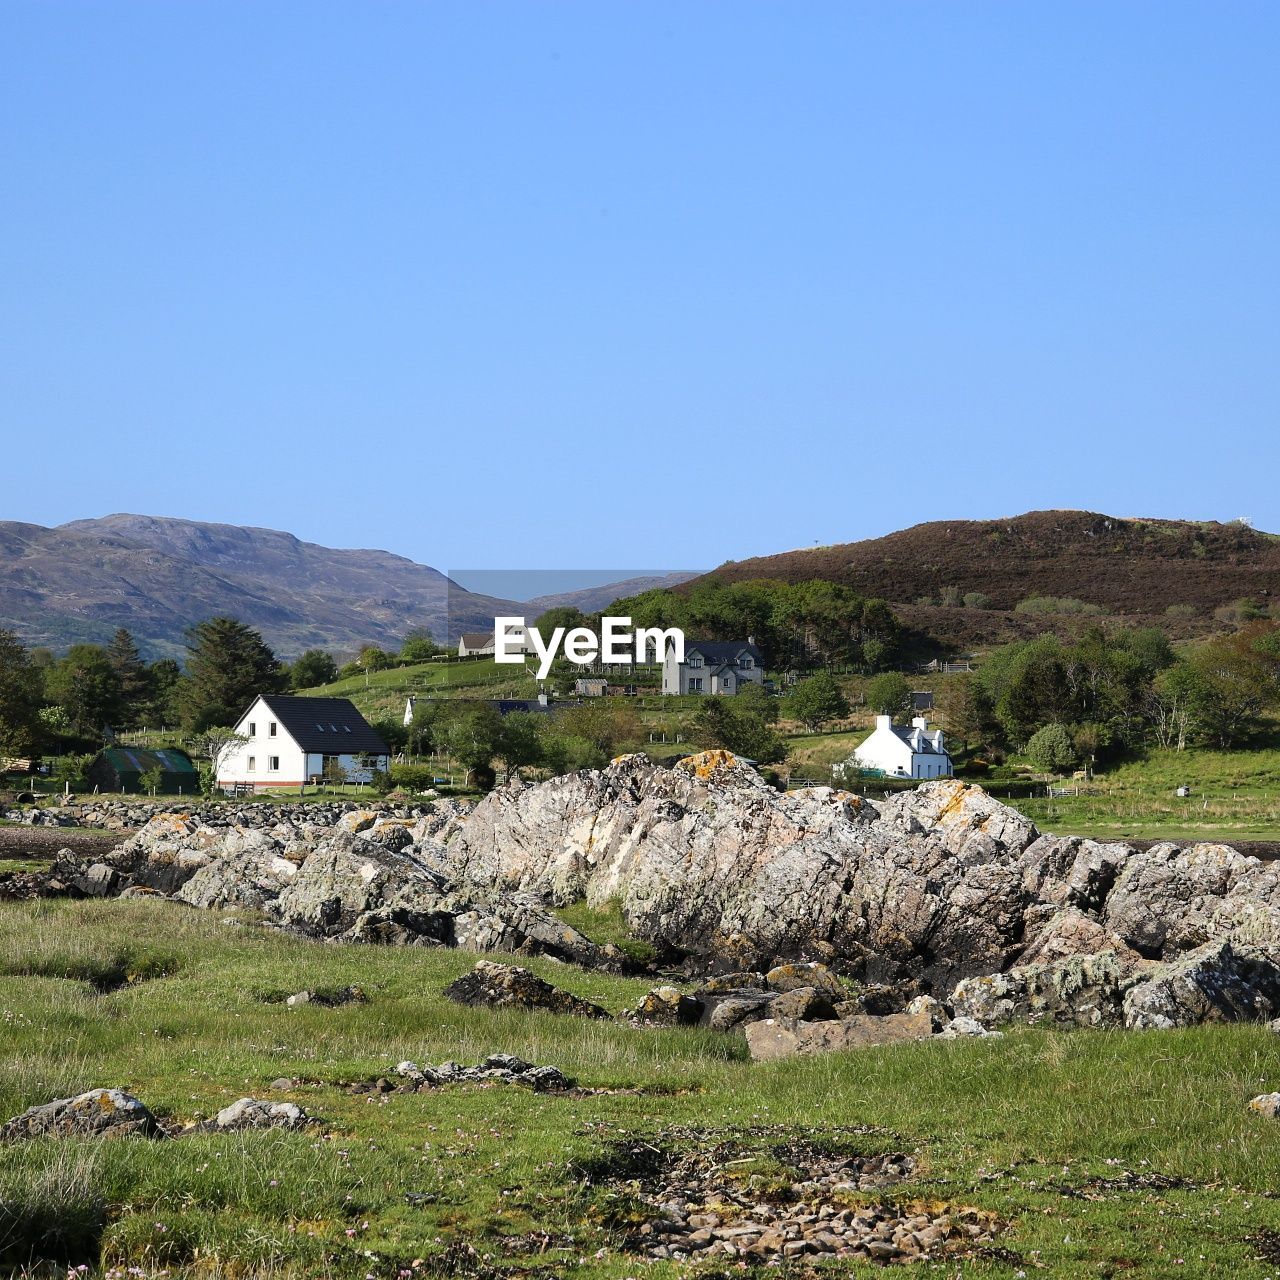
(552, 284)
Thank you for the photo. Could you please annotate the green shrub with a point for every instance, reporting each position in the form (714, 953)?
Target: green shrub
(412, 777)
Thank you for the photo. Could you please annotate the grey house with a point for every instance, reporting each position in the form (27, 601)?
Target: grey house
(721, 667)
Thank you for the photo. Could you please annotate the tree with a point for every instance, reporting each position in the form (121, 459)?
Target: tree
(967, 712)
(1233, 681)
(229, 665)
(131, 673)
(210, 745)
(889, 694)
(756, 698)
(1050, 749)
(519, 740)
(471, 736)
(21, 692)
(164, 679)
(611, 724)
(419, 646)
(373, 658)
(85, 685)
(312, 669)
(815, 701)
(150, 779)
(719, 723)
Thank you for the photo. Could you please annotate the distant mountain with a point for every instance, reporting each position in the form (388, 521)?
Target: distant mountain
(592, 599)
(1132, 567)
(157, 576)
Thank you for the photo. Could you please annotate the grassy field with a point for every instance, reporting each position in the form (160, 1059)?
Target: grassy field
(383, 693)
(1235, 795)
(1069, 1137)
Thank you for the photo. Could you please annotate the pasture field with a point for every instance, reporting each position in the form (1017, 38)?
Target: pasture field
(1103, 1153)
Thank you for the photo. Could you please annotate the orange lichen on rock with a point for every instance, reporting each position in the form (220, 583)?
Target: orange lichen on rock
(706, 764)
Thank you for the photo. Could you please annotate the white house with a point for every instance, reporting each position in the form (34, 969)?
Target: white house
(713, 667)
(472, 644)
(915, 752)
(289, 741)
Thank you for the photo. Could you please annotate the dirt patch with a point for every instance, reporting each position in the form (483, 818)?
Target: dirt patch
(43, 842)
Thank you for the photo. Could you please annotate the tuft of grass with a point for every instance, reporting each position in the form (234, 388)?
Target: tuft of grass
(605, 925)
(52, 1208)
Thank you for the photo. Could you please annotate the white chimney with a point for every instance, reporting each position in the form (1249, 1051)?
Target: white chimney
(884, 722)
(919, 722)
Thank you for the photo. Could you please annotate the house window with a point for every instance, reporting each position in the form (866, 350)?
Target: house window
(273, 764)
(253, 763)
(271, 729)
(253, 729)
(695, 662)
(745, 664)
(695, 684)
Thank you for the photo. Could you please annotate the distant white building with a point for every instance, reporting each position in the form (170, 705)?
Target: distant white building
(289, 741)
(914, 752)
(473, 644)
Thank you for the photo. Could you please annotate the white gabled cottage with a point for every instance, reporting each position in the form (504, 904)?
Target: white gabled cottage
(288, 741)
(916, 752)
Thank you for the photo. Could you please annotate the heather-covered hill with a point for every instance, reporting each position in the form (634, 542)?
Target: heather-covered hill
(1125, 566)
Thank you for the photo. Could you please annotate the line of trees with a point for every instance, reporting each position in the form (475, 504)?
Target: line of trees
(1106, 694)
(798, 624)
(66, 704)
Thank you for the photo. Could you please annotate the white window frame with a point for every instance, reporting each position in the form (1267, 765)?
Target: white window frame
(273, 764)
(252, 765)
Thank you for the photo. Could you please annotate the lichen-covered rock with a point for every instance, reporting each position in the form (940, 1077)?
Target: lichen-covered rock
(1223, 981)
(731, 1010)
(257, 1113)
(1169, 900)
(815, 977)
(99, 1113)
(1266, 1104)
(665, 1007)
(504, 1068)
(774, 1038)
(804, 1004)
(1080, 990)
(708, 859)
(507, 986)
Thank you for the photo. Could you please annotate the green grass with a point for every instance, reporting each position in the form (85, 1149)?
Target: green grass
(604, 926)
(1235, 795)
(1018, 1126)
(383, 693)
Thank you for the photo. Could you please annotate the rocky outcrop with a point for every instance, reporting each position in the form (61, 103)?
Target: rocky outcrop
(773, 1038)
(940, 890)
(497, 1068)
(99, 1113)
(256, 1113)
(707, 859)
(507, 986)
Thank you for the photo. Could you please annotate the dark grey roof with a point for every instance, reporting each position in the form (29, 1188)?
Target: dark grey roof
(329, 726)
(722, 650)
(925, 746)
(477, 639)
